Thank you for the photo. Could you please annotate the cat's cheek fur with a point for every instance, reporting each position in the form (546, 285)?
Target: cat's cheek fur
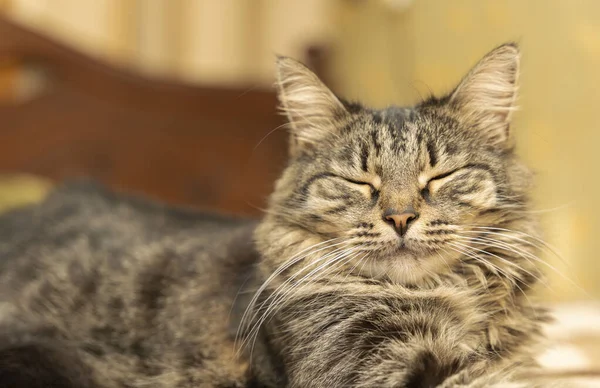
(483, 199)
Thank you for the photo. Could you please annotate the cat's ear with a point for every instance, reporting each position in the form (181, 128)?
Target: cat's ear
(486, 96)
(312, 109)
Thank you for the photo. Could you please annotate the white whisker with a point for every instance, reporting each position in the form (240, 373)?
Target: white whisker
(281, 293)
(288, 263)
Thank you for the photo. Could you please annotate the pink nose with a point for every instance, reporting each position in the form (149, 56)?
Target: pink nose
(400, 221)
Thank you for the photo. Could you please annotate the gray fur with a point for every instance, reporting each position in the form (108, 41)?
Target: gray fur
(134, 293)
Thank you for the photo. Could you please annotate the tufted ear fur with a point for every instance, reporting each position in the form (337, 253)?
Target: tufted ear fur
(486, 95)
(312, 109)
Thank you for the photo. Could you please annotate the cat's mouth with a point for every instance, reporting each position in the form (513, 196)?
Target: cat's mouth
(411, 249)
(397, 250)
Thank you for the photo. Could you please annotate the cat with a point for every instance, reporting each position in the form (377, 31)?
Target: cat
(397, 250)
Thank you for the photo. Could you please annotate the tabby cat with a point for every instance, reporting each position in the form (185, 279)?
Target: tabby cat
(397, 250)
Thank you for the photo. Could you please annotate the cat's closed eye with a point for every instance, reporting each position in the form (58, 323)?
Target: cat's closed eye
(434, 183)
(373, 187)
(444, 175)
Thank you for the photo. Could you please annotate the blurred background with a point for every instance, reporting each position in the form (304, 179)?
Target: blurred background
(173, 98)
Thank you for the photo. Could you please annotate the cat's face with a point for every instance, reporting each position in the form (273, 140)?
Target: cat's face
(401, 188)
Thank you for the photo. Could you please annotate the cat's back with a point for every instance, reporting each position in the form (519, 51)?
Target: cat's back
(125, 280)
(84, 225)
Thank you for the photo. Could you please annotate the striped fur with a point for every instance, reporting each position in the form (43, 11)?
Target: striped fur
(346, 301)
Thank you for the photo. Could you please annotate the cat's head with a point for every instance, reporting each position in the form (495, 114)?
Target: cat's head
(399, 189)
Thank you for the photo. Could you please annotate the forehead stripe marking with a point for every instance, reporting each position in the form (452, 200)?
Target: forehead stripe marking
(376, 143)
(364, 156)
(433, 159)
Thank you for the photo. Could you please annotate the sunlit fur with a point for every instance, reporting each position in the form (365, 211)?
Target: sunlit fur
(346, 301)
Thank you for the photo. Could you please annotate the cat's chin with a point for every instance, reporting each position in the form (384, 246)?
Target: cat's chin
(406, 267)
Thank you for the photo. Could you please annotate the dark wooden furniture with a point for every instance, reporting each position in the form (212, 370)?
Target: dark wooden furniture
(183, 144)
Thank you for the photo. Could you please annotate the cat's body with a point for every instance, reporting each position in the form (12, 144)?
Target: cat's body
(397, 251)
(131, 293)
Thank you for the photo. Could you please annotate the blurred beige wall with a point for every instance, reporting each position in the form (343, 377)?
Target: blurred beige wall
(388, 51)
